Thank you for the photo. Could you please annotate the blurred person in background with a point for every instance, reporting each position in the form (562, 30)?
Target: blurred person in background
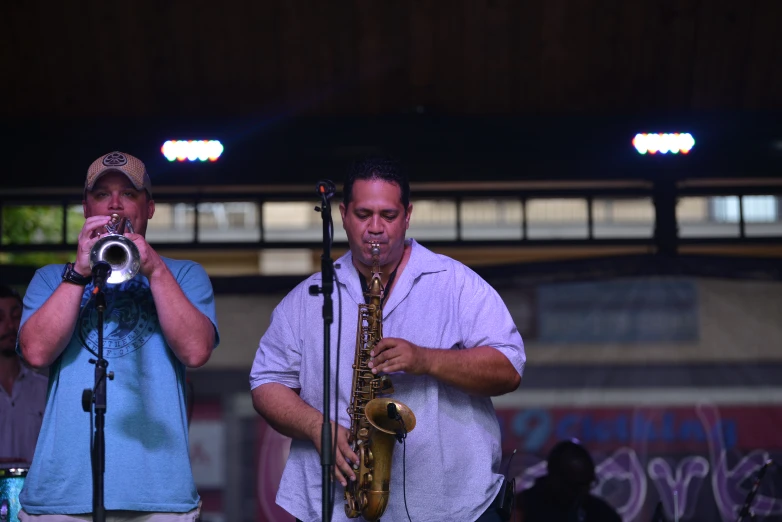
(563, 494)
(22, 390)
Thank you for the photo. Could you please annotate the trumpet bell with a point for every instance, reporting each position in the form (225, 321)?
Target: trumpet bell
(119, 252)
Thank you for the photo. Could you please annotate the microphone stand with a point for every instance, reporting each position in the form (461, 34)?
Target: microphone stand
(745, 513)
(97, 396)
(326, 190)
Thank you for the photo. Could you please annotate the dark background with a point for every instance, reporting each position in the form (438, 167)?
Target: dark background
(474, 90)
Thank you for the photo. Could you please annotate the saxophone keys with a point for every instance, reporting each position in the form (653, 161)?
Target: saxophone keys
(385, 385)
(351, 509)
(369, 458)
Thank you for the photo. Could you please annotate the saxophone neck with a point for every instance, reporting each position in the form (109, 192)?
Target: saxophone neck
(375, 286)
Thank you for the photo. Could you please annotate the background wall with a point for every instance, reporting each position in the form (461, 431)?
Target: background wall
(736, 321)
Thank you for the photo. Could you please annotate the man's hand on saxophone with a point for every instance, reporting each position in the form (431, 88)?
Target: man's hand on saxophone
(287, 413)
(345, 456)
(392, 354)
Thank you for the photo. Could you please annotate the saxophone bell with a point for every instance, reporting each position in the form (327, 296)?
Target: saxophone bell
(379, 414)
(117, 250)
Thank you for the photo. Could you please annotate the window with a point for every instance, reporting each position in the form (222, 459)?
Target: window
(701, 216)
(623, 218)
(491, 219)
(564, 218)
(433, 219)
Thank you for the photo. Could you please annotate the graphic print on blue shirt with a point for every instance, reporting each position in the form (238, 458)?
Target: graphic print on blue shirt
(130, 319)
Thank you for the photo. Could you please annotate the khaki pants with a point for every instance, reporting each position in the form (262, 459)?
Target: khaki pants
(118, 516)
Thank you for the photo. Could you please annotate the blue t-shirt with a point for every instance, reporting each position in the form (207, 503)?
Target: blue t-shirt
(146, 433)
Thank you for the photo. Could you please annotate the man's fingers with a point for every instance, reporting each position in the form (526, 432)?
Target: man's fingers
(383, 345)
(390, 367)
(339, 477)
(343, 470)
(96, 222)
(349, 455)
(381, 357)
(345, 450)
(93, 227)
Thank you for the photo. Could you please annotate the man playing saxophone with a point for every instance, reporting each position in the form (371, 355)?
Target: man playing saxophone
(449, 344)
(156, 323)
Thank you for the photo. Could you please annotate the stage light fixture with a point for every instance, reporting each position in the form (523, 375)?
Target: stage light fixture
(673, 142)
(192, 150)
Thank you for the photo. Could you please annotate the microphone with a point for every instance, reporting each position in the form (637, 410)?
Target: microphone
(326, 188)
(393, 413)
(100, 274)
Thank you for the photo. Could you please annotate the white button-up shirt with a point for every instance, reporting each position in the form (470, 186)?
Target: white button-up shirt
(451, 465)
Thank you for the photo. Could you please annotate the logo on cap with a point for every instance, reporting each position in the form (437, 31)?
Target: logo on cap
(115, 159)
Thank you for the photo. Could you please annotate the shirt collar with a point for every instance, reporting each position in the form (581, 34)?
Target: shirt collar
(421, 261)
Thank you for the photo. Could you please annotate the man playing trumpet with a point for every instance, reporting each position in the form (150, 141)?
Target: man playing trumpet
(157, 323)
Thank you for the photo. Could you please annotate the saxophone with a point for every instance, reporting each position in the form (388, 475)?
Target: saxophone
(375, 423)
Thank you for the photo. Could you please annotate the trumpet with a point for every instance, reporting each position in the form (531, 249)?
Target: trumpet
(117, 250)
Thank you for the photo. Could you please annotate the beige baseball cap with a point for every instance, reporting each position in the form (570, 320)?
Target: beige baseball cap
(115, 161)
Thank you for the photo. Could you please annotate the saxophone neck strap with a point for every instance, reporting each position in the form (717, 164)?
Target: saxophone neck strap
(365, 285)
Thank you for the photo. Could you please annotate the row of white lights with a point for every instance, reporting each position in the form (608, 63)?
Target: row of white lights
(664, 143)
(192, 150)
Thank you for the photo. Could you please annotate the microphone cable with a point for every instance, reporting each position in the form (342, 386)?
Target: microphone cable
(332, 486)
(404, 471)
(336, 377)
(401, 437)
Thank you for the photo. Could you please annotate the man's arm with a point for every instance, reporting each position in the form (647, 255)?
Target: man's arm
(482, 370)
(287, 413)
(493, 359)
(48, 330)
(189, 333)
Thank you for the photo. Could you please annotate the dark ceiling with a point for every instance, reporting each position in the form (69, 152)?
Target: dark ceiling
(520, 89)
